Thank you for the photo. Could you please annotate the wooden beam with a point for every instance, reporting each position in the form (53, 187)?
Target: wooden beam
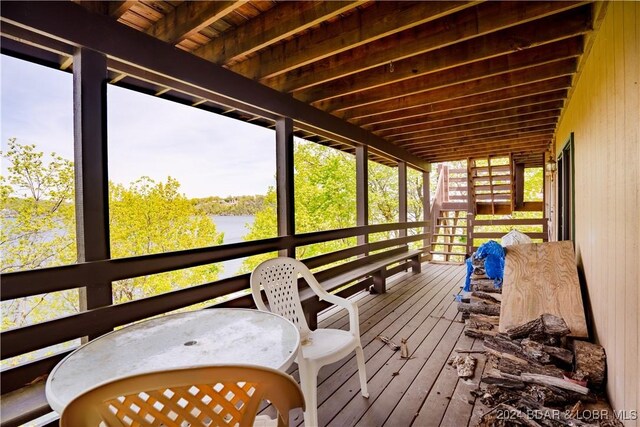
(482, 127)
(464, 137)
(546, 30)
(189, 17)
(91, 170)
(521, 60)
(531, 138)
(476, 21)
(540, 73)
(130, 46)
(382, 19)
(119, 8)
(495, 150)
(276, 24)
(482, 118)
(285, 193)
(402, 195)
(522, 96)
(362, 190)
(426, 207)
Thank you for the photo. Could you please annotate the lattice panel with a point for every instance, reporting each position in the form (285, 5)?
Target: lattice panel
(222, 404)
(280, 283)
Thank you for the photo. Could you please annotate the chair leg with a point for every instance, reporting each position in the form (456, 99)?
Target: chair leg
(361, 371)
(309, 386)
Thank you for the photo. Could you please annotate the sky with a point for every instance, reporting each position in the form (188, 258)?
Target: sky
(209, 154)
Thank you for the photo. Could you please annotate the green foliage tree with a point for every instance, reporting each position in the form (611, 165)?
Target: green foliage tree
(38, 230)
(38, 225)
(153, 217)
(325, 193)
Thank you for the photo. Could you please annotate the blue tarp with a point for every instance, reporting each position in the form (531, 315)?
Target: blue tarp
(493, 255)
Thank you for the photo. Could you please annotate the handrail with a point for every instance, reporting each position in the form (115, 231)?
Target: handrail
(22, 340)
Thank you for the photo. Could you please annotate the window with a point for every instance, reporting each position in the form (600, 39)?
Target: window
(566, 195)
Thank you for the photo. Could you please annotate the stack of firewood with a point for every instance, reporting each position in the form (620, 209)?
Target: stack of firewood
(534, 374)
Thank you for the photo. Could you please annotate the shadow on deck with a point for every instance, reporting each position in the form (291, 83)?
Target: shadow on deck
(421, 391)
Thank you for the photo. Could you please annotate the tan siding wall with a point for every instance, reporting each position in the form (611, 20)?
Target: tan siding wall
(604, 115)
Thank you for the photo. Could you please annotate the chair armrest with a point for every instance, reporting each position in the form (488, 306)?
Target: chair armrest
(351, 307)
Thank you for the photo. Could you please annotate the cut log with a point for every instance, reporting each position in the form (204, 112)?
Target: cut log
(504, 345)
(590, 362)
(512, 367)
(479, 308)
(496, 298)
(547, 380)
(494, 320)
(479, 333)
(536, 350)
(559, 353)
(485, 285)
(539, 328)
(483, 326)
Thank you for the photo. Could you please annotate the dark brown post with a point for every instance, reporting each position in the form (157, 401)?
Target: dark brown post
(362, 190)
(519, 185)
(426, 209)
(402, 196)
(91, 170)
(284, 181)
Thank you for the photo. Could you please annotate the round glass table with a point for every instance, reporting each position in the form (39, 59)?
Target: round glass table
(204, 337)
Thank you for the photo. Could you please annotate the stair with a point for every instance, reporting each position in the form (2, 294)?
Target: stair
(492, 185)
(449, 240)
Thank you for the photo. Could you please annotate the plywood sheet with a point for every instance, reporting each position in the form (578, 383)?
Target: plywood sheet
(542, 278)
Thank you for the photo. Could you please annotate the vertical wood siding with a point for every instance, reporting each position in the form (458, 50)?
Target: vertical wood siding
(604, 115)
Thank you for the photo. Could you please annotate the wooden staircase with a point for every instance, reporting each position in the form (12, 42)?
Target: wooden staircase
(492, 184)
(449, 238)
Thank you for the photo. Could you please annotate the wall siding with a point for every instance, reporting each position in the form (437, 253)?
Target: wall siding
(604, 115)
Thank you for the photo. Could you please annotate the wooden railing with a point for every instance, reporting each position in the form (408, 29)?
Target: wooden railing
(23, 340)
(540, 224)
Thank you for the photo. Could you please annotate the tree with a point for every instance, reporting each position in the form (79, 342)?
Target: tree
(38, 225)
(38, 230)
(325, 199)
(153, 217)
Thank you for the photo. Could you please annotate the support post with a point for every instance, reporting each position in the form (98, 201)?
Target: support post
(284, 182)
(426, 209)
(91, 169)
(362, 191)
(402, 196)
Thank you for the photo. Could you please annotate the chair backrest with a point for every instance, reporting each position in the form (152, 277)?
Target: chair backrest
(279, 279)
(226, 395)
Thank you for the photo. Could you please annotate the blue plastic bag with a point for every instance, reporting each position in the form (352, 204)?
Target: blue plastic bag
(493, 255)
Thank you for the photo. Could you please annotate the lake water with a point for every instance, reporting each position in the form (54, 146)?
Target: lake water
(234, 227)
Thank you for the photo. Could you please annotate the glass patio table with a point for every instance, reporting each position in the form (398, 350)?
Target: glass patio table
(198, 338)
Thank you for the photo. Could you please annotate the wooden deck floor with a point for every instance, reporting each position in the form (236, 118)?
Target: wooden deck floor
(422, 391)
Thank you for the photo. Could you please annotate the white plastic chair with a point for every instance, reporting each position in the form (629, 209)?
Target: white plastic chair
(279, 279)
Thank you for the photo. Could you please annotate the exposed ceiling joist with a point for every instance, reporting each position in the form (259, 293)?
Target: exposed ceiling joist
(190, 17)
(528, 58)
(479, 135)
(476, 21)
(558, 27)
(276, 24)
(382, 19)
(119, 8)
(521, 120)
(494, 116)
(487, 85)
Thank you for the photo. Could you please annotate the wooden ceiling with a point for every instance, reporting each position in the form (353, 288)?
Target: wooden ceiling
(443, 80)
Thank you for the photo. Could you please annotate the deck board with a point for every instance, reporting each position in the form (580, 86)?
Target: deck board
(402, 392)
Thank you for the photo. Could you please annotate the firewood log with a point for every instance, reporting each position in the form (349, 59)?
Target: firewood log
(479, 308)
(590, 362)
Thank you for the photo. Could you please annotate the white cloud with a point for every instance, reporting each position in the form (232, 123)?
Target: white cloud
(207, 153)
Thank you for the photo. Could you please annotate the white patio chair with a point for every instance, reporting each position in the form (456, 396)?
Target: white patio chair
(279, 279)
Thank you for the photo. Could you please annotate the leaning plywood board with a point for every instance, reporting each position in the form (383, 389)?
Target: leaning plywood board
(542, 278)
